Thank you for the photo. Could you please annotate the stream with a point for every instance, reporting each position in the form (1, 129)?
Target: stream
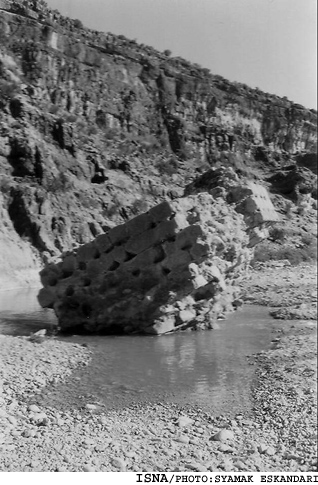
(206, 369)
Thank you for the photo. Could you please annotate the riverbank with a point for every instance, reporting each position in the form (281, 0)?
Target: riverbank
(279, 435)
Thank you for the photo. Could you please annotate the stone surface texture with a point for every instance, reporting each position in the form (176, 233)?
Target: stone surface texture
(173, 267)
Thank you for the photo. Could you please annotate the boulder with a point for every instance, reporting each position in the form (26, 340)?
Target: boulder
(173, 267)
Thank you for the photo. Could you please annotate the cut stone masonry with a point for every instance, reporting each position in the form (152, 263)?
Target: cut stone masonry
(171, 268)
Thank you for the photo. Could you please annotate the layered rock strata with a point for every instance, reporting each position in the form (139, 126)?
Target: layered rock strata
(171, 268)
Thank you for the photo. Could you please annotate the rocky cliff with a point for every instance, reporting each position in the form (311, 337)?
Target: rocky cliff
(95, 129)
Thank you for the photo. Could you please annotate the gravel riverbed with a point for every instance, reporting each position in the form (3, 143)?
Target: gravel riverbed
(280, 434)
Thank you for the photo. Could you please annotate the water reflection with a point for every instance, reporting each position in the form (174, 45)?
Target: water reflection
(207, 369)
(21, 314)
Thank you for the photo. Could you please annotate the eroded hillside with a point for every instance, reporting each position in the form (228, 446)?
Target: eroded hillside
(95, 128)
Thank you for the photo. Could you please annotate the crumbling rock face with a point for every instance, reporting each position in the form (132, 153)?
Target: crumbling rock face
(171, 268)
(95, 128)
(249, 199)
(293, 181)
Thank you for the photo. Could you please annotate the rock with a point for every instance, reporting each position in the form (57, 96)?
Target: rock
(184, 421)
(198, 467)
(194, 441)
(119, 463)
(183, 439)
(12, 420)
(160, 269)
(39, 418)
(225, 449)
(28, 433)
(34, 409)
(40, 333)
(223, 435)
(262, 447)
(91, 407)
(240, 465)
(270, 451)
(88, 468)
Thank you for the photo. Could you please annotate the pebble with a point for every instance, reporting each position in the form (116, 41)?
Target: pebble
(223, 435)
(198, 467)
(240, 465)
(88, 468)
(225, 448)
(262, 447)
(184, 421)
(194, 441)
(270, 451)
(39, 417)
(12, 420)
(119, 463)
(34, 409)
(183, 439)
(28, 433)
(91, 407)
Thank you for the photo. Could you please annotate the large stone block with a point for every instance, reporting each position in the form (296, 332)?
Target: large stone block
(166, 324)
(177, 259)
(69, 264)
(94, 268)
(199, 251)
(103, 243)
(119, 234)
(138, 244)
(107, 261)
(119, 254)
(46, 297)
(159, 272)
(161, 212)
(189, 236)
(139, 224)
(166, 230)
(87, 252)
(50, 275)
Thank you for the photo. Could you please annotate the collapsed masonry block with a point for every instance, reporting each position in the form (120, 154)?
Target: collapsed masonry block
(160, 212)
(103, 243)
(86, 253)
(174, 267)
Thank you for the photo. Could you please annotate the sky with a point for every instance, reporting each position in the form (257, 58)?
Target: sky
(269, 44)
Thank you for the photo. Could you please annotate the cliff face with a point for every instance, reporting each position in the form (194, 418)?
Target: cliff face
(95, 129)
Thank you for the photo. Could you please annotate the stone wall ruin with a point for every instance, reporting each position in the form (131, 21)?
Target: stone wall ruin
(173, 267)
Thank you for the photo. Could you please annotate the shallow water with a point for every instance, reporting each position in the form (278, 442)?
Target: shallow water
(207, 369)
(21, 314)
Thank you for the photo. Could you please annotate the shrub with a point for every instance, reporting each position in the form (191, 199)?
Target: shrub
(70, 118)
(53, 109)
(295, 256)
(60, 183)
(277, 234)
(139, 206)
(78, 24)
(308, 239)
(8, 89)
(167, 167)
(92, 130)
(5, 185)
